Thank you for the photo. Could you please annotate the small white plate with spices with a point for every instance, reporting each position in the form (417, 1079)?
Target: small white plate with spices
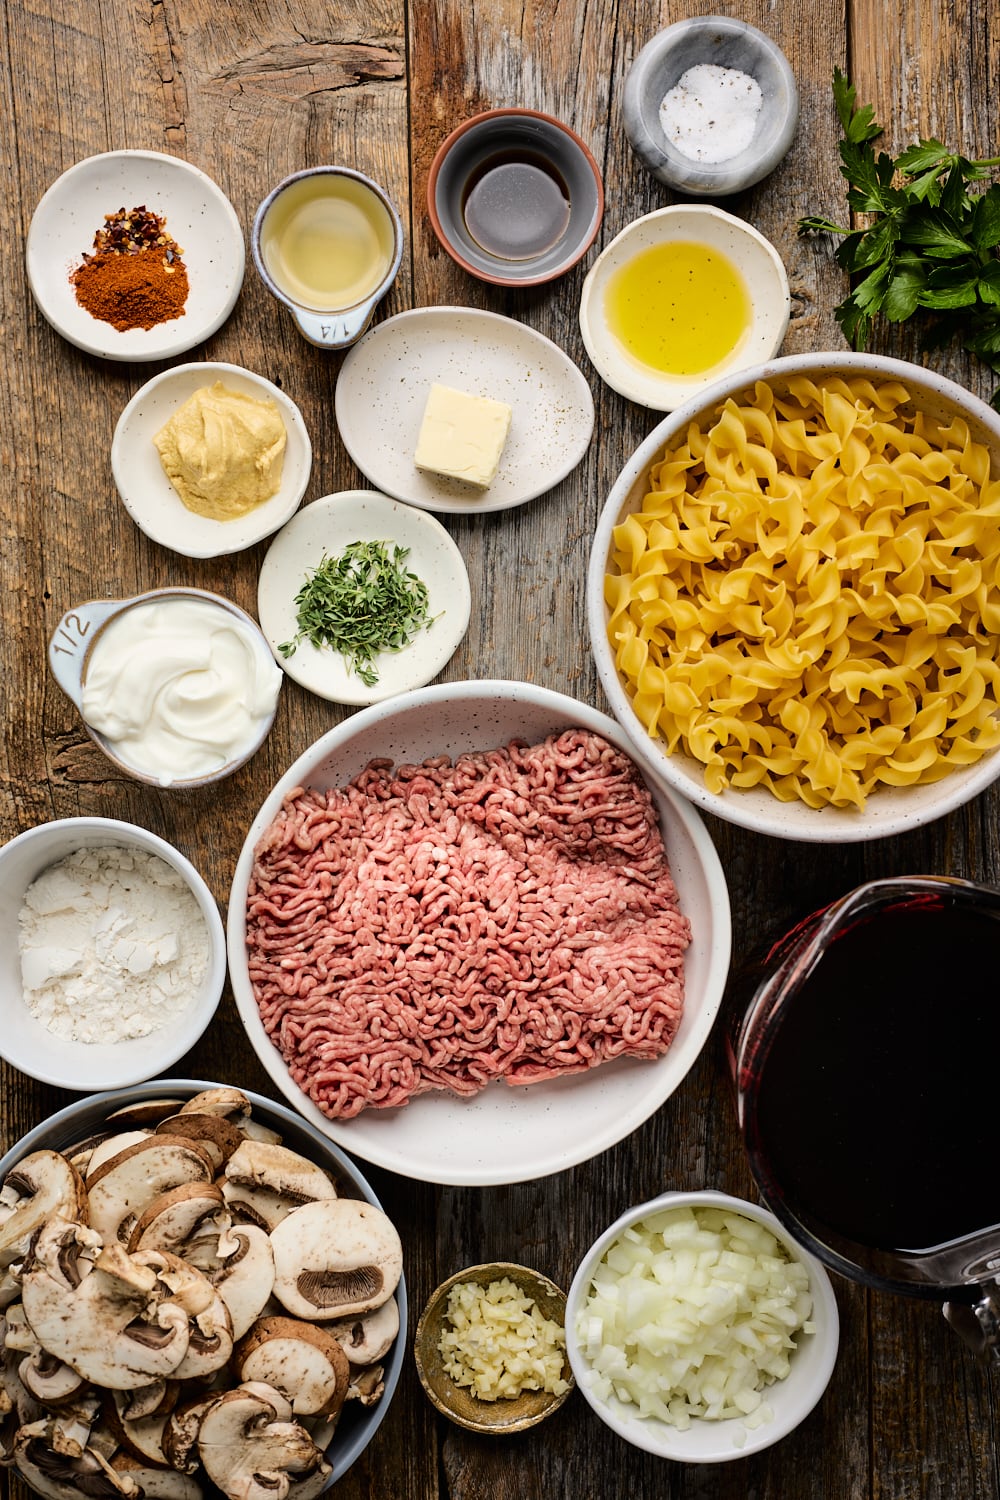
(147, 493)
(382, 391)
(198, 217)
(324, 529)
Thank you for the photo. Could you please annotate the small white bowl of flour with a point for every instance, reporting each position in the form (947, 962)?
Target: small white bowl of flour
(112, 959)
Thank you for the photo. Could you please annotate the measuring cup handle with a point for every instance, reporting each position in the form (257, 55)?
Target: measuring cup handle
(335, 330)
(69, 642)
(978, 1323)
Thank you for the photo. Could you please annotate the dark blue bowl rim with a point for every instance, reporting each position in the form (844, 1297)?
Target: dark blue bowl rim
(355, 1429)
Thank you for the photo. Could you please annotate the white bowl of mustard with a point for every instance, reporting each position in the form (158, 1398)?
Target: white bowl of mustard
(154, 501)
(682, 298)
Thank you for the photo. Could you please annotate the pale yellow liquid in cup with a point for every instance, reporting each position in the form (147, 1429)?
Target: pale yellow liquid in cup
(327, 242)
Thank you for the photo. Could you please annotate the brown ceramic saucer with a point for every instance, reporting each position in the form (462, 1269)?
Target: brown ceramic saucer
(515, 197)
(458, 1403)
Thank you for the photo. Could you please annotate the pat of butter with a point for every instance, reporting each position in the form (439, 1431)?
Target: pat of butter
(462, 436)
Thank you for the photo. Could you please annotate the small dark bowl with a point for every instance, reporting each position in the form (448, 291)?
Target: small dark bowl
(727, 43)
(507, 137)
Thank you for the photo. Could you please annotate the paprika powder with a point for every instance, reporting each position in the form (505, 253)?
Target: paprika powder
(134, 277)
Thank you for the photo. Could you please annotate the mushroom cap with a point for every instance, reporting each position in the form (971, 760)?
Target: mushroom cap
(335, 1259)
(219, 1137)
(123, 1187)
(178, 1215)
(368, 1336)
(266, 1182)
(40, 1185)
(251, 1454)
(304, 1362)
(119, 1326)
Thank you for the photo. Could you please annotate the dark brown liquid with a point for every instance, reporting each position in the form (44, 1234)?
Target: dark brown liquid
(516, 207)
(872, 1118)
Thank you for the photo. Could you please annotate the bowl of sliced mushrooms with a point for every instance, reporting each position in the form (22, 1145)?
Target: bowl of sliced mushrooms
(200, 1295)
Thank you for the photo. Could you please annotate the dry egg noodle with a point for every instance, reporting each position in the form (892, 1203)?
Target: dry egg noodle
(809, 598)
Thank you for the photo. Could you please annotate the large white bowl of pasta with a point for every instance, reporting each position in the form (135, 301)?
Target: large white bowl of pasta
(794, 598)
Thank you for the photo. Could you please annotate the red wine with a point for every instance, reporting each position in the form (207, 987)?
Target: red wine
(516, 206)
(870, 1115)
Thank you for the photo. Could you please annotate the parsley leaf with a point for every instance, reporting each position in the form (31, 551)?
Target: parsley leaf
(927, 246)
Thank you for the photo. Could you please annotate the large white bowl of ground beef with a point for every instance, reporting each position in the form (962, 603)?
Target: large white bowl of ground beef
(470, 941)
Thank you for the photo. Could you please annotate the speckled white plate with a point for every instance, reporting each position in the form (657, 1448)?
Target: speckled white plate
(151, 499)
(382, 390)
(199, 217)
(329, 525)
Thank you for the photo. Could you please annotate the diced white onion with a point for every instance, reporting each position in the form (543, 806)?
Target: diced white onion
(692, 1313)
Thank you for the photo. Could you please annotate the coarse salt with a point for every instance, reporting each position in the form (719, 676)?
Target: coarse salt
(711, 112)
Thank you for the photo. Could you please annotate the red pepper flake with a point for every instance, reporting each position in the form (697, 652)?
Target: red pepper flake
(134, 277)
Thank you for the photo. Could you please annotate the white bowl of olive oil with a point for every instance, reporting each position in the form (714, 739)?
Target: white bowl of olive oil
(682, 298)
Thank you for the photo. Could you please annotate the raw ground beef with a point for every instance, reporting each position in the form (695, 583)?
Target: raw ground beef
(509, 915)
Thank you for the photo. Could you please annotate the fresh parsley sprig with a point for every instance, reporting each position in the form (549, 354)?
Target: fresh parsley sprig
(928, 244)
(361, 602)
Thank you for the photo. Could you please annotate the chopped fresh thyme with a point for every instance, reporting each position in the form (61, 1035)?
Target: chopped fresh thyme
(360, 603)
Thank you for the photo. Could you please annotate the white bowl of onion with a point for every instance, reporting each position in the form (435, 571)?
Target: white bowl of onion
(698, 1330)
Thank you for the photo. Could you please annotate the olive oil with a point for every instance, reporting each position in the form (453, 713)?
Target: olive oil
(679, 308)
(327, 242)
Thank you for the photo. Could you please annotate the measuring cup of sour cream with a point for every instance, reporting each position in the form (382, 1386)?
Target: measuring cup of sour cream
(328, 242)
(177, 686)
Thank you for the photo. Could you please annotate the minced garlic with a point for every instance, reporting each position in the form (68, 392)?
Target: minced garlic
(500, 1343)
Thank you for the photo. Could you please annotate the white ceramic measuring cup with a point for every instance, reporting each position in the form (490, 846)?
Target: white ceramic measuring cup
(326, 316)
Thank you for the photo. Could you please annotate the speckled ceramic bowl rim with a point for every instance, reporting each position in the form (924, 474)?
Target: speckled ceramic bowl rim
(474, 123)
(890, 810)
(345, 1448)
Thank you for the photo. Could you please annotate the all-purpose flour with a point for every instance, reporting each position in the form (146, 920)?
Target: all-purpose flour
(113, 945)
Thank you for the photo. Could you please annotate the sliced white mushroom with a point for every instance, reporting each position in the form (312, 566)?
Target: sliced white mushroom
(265, 1182)
(145, 1112)
(180, 1432)
(40, 1185)
(234, 1106)
(214, 1132)
(156, 1482)
(116, 1324)
(157, 1399)
(369, 1336)
(335, 1259)
(210, 1332)
(304, 1362)
(109, 1145)
(122, 1188)
(142, 1437)
(366, 1385)
(253, 1455)
(245, 1273)
(61, 1468)
(180, 1215)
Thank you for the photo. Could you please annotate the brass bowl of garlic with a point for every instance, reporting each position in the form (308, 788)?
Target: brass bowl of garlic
(490, 1348)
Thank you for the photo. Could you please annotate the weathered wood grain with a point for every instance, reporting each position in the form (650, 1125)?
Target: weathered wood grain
(249, 92)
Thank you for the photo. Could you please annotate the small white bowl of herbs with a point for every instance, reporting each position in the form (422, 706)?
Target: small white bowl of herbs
(361, 597)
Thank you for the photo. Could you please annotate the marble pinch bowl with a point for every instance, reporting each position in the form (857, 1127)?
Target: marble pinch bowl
(505, 135)
(727, 43)
(26, 1042)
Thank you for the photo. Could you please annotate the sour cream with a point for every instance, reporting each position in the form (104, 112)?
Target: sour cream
(180, 687)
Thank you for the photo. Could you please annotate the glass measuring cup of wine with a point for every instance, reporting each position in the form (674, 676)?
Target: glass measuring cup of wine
(854, 1044)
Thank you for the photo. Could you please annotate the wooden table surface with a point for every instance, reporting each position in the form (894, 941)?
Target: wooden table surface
(249, 92)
